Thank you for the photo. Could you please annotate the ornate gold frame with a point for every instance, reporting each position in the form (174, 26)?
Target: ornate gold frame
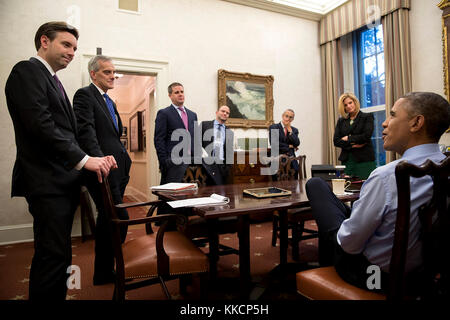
(267, 81)
(445, 6)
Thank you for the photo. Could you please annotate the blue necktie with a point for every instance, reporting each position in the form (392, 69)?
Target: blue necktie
(110, 105)
(219, 141)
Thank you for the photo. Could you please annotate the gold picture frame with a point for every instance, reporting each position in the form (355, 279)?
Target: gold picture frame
(444, 5)
(249, 97)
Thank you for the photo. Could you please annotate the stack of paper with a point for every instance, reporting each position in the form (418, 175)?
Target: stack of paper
(214, 199)
(175, 186)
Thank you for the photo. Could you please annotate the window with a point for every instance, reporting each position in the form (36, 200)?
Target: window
(129, 6)
(370, 81)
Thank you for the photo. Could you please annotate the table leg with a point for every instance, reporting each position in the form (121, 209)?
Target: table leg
(213, 238)
(283, 236)
(244, 250)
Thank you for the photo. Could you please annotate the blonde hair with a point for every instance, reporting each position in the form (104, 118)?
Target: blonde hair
(341, 104)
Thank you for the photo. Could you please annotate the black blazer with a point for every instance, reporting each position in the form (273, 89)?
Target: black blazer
(284, 141)
(218, 174)
(167, 121)
(45, 130)
(97, 133)
(358, 133)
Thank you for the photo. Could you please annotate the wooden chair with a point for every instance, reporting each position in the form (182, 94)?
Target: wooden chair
(197, 228)
(151, 258)
(325, 284)
(195, 174)
(86, 215)
(297, 216)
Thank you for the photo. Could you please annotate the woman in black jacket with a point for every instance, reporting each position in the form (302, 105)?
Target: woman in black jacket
(353, 134)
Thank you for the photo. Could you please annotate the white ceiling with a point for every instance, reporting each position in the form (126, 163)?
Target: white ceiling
(307, 9)
(316, 6)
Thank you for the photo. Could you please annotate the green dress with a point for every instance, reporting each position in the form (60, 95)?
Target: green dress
(359, 169)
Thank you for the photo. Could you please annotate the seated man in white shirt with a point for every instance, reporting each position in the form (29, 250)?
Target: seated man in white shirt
(353, 239)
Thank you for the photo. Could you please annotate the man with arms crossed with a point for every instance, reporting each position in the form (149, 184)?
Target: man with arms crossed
(99, 131)
(49, 159)
(356, 238)
(288, 140)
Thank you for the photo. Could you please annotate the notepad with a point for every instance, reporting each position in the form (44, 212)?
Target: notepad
(214, 199)
(175, 186)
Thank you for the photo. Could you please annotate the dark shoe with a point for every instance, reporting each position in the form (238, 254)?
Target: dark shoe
(104, 278)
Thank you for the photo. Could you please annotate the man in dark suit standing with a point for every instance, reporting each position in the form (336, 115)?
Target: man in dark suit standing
(217, 141)
(288, 140)
(99, 131)
(49, 159)
(174, 136)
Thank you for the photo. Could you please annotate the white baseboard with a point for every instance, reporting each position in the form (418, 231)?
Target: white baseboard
(24, 232)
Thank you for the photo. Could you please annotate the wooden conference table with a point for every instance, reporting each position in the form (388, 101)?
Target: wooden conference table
(243, 206)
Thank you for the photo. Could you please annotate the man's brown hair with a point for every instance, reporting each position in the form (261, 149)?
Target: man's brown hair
(173, 84)
(50, 29)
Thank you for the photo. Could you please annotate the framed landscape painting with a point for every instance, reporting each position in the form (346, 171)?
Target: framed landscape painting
(249, 97)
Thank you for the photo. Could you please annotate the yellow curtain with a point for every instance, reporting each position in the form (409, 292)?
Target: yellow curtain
(397, 56)
(348, 18)
(331, 61)
(355, 14)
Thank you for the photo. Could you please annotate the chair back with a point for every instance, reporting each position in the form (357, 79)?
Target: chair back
(111, 214)
(435, 223)
(286, 171)
(195, 174)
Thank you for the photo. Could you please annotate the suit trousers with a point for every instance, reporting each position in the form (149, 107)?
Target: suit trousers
(52, 227)
(329, 213)
(104, 253)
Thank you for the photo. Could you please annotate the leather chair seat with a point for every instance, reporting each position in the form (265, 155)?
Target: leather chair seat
(140, 256)
(325, 284)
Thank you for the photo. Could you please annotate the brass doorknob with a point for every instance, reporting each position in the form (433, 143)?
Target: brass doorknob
(252, 165)
(252, 180)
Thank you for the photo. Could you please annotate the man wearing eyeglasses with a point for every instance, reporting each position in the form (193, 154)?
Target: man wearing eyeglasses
(288, 140)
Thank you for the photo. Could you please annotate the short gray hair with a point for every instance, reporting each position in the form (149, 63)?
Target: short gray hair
(93, 63)
(290, 110)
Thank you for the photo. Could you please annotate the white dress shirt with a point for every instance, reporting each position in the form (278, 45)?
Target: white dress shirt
(370, 228)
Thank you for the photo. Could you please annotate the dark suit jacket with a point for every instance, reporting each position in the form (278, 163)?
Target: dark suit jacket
(45, 130)
(97, 133)
(284, 141)
(358, 133)
(167, 121)
(218, 174)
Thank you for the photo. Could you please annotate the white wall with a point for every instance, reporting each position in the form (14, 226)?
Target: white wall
(426, 50)
(426, 46)
(195, 38)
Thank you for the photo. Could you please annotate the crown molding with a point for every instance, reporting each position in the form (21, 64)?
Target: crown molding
(279, 8)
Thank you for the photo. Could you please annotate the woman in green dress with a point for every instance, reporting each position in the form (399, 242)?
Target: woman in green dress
(353, 134)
